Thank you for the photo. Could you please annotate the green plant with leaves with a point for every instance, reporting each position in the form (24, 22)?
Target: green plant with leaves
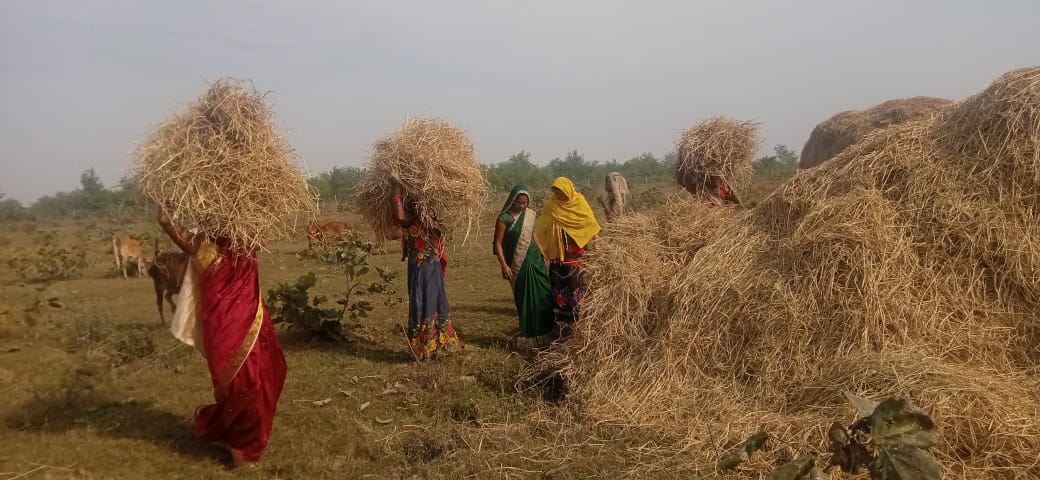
(897, 433)
(349, 256)
(291, 303)
(890, 439)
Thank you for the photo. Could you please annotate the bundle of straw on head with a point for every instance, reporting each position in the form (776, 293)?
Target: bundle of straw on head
(837, 133)
(718, 148)
(224, 168)
(434, 164)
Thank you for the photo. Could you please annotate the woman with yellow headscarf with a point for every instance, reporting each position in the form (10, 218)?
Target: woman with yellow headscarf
(565, 228)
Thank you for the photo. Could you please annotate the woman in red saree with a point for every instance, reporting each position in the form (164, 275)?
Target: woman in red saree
(228, 317)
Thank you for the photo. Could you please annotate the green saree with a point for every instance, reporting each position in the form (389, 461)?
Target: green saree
(530, 277)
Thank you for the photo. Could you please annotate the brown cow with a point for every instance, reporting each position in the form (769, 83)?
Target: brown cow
(126, 251)
(321, 231)
(167, 272)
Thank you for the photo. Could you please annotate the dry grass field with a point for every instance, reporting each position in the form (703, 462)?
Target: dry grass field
(91, 386)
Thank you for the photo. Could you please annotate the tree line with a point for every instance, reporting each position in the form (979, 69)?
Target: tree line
(337, 186)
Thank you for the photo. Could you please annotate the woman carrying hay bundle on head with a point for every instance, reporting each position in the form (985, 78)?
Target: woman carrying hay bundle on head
(430, 332)
(717, 192)
(234, 331)
(565, 228)
(714, 157)
(224, 170)
(522, 264)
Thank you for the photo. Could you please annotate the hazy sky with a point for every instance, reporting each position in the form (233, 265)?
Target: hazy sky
(82, 81)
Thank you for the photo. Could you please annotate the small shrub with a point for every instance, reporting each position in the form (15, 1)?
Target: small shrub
(290, 303)
(348, 255)
(99, 338)
(50, 262)
(423, 449)
(132, 346)
(465, 412)
(86, 334)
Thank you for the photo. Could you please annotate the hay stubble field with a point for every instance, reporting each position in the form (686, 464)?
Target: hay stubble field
(94, 388)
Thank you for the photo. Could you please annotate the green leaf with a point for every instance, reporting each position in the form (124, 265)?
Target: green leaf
(742, 453)
(796, 469)
(896, 421)
(898, 461)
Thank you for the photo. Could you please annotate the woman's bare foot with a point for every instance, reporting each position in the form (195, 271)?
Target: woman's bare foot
(241, 462)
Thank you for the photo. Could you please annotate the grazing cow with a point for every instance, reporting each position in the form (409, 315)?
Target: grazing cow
(167, 272)
(322, 231)
(127, 251)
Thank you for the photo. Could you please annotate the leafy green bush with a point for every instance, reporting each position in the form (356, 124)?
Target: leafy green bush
(290, 303)
(348, 255)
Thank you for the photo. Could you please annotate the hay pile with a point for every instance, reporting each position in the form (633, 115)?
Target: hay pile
(717, 147)
(837, 133)
(223, 167)
(434, 163)
(907, 266)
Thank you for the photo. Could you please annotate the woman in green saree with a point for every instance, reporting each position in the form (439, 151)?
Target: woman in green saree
(522, 264)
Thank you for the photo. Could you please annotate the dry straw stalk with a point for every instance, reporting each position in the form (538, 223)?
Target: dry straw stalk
(717, 148)
(222, 167)
(909, 266)
(837, 133)
(434, 163)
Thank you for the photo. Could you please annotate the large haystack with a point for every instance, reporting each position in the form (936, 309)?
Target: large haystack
(835, 134)
(434, 163)
(907, 266)
(223, 167)
(717, 148)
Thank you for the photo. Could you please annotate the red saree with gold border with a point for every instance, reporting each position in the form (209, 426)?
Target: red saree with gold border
(244, 356)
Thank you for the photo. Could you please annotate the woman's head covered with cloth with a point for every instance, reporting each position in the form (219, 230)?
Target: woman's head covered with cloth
(565, 211)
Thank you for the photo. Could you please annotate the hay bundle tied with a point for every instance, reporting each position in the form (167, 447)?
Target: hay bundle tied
(223, 167)
(837, 133)
(907, 266)
(434, 163)
(718, 148)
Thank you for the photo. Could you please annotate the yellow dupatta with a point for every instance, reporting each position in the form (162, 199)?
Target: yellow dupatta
(573, 216)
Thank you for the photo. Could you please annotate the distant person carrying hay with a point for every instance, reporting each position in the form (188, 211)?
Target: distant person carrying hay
(565, 228)
(716, 191)
(523, 265)
(430, 332)
(425, 179)
(714, 159)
